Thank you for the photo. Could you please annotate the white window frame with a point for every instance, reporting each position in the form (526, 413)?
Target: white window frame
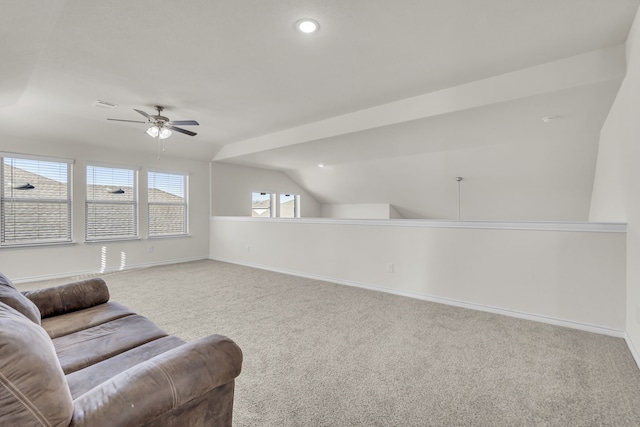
(91, 202)
(272, 204)
(296, 205)
(184, 204)
(8, 198)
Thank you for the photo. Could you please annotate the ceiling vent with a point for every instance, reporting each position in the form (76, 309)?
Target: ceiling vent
(104, 104)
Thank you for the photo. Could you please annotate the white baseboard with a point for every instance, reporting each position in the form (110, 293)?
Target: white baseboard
(448, 301)
(632, 349)
(78, 274)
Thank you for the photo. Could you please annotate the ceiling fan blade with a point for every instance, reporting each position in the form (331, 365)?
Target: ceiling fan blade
(132, 121)
(185, 123)
(186, 132)
(143, 113)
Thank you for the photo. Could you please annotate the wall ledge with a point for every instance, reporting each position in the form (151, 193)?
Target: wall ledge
(594, 227)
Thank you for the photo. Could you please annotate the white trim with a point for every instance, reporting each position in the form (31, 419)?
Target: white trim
(36, 157)
(167, 171)
(447, 301)
(107, 271)
(597, 227)
(36, 244)
(113, 239)
(135, 168)
(632, 349)
(167, 236)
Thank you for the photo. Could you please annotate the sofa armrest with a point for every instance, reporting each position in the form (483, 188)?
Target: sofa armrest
(159, 385)
(70, 297)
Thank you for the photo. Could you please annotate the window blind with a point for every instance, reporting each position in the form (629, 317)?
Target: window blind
(168, 208)
(35, 201)
(111, 210)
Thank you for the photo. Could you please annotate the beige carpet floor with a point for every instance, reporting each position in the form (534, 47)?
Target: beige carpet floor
(321, 354)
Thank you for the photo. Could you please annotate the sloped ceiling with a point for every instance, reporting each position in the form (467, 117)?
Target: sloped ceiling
(395, 97)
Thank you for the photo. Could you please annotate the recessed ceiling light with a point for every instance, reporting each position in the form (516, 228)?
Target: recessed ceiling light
(549, 119)
(307, 26)
(321, 165)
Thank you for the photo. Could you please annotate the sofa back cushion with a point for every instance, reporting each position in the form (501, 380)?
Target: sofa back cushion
(33, 388)
(13, 298)
(74, 296)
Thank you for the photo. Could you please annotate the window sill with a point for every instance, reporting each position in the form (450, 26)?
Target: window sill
(168, 236)
(37, 245)
(116, 239)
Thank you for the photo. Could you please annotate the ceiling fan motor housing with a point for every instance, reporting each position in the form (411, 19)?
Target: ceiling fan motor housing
(160, 119)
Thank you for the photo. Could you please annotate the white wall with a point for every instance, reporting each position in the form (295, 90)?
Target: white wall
(616, 190)
(359, 210)
(232, 185)
(575, 278)
(30, 263)
(546, 180)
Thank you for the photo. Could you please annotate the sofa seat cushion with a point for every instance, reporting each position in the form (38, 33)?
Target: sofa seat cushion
(88, 346)
(66, 324)
(16, 300)
(33, 389)
(85, 379)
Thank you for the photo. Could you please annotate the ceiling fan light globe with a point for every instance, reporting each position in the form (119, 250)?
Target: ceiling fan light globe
(153, 131)
(165, 133)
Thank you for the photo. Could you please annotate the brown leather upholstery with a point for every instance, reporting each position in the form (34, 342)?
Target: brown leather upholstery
(87, 378)
(121, 369)
(70, 297)
(75, 321)
(160, 385)
(14, 299)
(33, 389)
(92, 345)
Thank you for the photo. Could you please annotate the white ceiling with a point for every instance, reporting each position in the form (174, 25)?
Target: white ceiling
(268, 96)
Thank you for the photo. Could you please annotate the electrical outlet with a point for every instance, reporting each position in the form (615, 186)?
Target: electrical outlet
(150, 249)
(248, 248)
(390, 268)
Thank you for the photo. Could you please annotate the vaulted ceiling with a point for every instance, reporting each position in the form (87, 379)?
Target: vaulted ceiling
(395, 97)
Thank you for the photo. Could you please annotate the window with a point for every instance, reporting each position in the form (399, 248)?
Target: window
(35, 201)
(289, 206)
(167, 204)
(112, 206)
(261, 205)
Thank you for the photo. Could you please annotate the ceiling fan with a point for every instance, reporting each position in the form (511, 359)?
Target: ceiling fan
(161, 126)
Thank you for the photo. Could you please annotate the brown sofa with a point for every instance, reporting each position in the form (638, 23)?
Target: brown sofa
(71, 357)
